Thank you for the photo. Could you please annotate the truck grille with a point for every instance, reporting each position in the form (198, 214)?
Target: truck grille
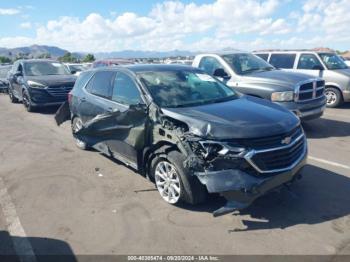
(59, 91)
(310, 90)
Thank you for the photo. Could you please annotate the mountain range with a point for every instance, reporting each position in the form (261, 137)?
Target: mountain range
(36, 51)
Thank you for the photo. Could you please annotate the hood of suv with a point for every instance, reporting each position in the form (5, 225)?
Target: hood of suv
(54, 80)
(280, 78)
(246, 117)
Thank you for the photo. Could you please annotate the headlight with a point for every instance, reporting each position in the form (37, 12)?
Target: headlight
(282, 96)
(214, 148)
(35, 84)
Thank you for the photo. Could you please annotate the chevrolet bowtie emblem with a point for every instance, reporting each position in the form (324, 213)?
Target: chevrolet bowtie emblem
(287, 140)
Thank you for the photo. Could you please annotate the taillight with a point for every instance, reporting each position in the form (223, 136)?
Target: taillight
(70, 96)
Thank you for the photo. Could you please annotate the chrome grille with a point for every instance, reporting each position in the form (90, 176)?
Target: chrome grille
(310, 90)
(278, 159)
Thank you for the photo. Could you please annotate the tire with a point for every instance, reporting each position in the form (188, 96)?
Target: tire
(77, 124)
(27, 103)
(334, 97)
(190, 190)
(13, 99)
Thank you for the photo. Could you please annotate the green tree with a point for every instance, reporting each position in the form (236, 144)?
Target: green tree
(89, 58)
(44, 56)
(4, 60)
(68, 58)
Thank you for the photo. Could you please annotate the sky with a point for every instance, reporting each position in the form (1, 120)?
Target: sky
(194, 25)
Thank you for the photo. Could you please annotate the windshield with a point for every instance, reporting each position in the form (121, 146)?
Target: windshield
(246, 63)
(333, 61)
(45, 68)
(185, 88)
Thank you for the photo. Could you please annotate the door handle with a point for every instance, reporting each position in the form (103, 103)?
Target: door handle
(83, 99)
(110, 110)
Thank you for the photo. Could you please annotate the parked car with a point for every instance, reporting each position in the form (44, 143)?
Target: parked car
(111, 62)
(39, 83)
(75, 69)
(346, 60)
(251, 75)
(326, 65)
(188, 132)
(3, 78)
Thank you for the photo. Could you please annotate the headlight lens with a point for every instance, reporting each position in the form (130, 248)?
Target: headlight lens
(214, 148)
(35, 84)
(282, 96)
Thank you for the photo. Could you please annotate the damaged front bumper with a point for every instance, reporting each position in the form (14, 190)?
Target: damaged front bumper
(240, 188)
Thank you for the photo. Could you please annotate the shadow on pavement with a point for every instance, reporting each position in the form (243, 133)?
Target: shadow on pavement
(320, 196)
(50, 110)
(45, 249)
(323, 128)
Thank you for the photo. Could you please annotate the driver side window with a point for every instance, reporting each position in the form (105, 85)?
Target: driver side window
(309, 61)
(209, 65)
(125, 90)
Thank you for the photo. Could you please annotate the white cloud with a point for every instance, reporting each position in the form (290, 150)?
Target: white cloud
(250, 24)
(26, 25)
(9, 11)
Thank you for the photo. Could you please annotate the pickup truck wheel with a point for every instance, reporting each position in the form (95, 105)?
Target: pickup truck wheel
(77, 124)
(173, 181)
(27, 103)
(13, 99)
(334, 97)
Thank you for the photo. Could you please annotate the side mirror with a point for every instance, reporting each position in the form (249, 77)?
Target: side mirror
(317, 67)
(73, 72)
(220, 72)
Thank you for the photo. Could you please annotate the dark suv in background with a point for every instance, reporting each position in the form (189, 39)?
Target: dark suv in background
(4, 70)
(39, 83)
(188, 132)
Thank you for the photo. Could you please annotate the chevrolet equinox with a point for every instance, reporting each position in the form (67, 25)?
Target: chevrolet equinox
(187, 132)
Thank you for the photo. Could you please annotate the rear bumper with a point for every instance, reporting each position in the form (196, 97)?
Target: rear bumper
(42, 98)
(240, 189)
(307, 110)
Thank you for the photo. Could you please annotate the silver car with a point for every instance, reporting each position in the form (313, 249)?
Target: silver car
(327, 65)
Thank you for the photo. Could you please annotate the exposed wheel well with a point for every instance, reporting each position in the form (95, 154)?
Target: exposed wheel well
(159, 149)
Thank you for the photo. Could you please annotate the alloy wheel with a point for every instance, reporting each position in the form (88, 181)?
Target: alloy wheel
(168, 182)
(331, 97)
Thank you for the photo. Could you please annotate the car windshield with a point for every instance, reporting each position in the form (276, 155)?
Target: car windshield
(333, 61)
(246, 63)
(45, 68)
(180, 88)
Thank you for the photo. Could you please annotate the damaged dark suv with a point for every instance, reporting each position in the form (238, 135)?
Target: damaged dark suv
(187, 132)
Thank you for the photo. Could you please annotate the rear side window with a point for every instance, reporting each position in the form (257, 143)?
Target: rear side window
(82, 79)
(309, 61)
(209, 64)
(282, 60)
(263, 56)
(101, 84)
(125, 90)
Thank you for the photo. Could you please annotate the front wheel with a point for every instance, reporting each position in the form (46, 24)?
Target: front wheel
(334, 97)
(13, 99)
(77, 125)
(27, 103)
(173, 181)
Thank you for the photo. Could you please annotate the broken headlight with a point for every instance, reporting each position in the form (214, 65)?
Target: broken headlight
(216, 148)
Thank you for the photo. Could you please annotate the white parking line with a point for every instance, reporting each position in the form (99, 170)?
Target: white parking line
(21, 244)
(329, 162)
